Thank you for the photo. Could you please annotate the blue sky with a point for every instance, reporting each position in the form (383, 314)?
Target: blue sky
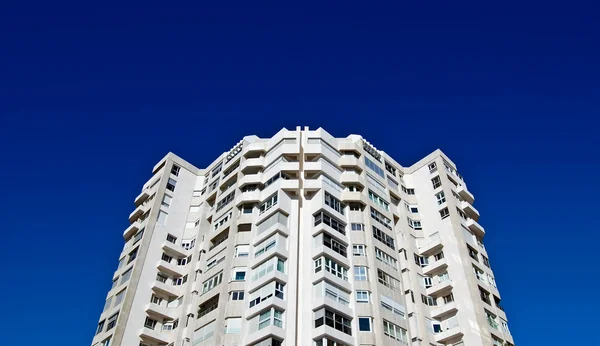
(92, 97)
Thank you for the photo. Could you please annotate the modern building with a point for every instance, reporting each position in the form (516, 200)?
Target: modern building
(304, 239)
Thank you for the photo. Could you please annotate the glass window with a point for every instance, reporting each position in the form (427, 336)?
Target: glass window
(364, 324)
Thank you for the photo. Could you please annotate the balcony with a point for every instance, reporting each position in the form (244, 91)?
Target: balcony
(435, 267)
(164, 288)
(443, 310)
(332, 333)
(352, 178)
(142, 197)
(448, 334)
(155, 335)
(264, 333)
(172, 269)
(430, 245)
(175, 249)
(440, 288)
(349, 161)
(475, 228)
(253, 164)
(465, 194)
(139, 211)
(470, 210)
(162, 311)
(248, 197)
(354, 196)
(249, 179)
(132, 229)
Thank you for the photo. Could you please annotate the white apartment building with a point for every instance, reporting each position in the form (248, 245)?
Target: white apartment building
(304, 239)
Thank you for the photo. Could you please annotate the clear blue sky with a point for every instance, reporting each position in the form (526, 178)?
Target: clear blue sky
(91, 97)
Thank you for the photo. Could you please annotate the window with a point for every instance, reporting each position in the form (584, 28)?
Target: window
(332, 267)
(212, 282)
(335, 245)
(390, 168)
(448, 299)
(491, 280)
(472, 253)
(364, 324)
(421, 261)
(170, 325)
(269, 342)
(479, 274)
(272, 316)
(221, 221)
(384, 238)
(408, 191)
(432, 167)
(225, 200)
(137, 237)
(161, 219)
(275, 178)
(385, 258)
(125, 276)
(171, 239)
(444, 213)
(374, 167)
(436, 182)
(265, 246)
(486, 261)
(358, 250)
(491, 318)
(393, 306)
(438, 256)
(204, 332)
(216, 170)
(178, 281)
(242, 250)
(414, 210)
(119, 297)
(325, 289)
(166, 201)
(353, 206)
(323, 217)
(233, 325)
(171, 184)
(461, 213)
(213, 261)
(379, 217)
(112, 321)
(361, 273)
(269, 290)
(395, 332)
(504, 325)
(100, 327)
(427, 300)
(334, 203)
(276, 218)
(485, 296)
(362, 296)
(268, 204)
(247, 208)
(414, 224)
(106, 342)
(334, 320)
(238, 274)
(441, 197)
(388, 281)
(268, 267)
(373, 182)
(379, 201)
(357, 227)
(236, 295)
(166, 258)
(175, 170)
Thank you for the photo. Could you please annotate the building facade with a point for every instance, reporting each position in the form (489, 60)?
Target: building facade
(304, 239)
